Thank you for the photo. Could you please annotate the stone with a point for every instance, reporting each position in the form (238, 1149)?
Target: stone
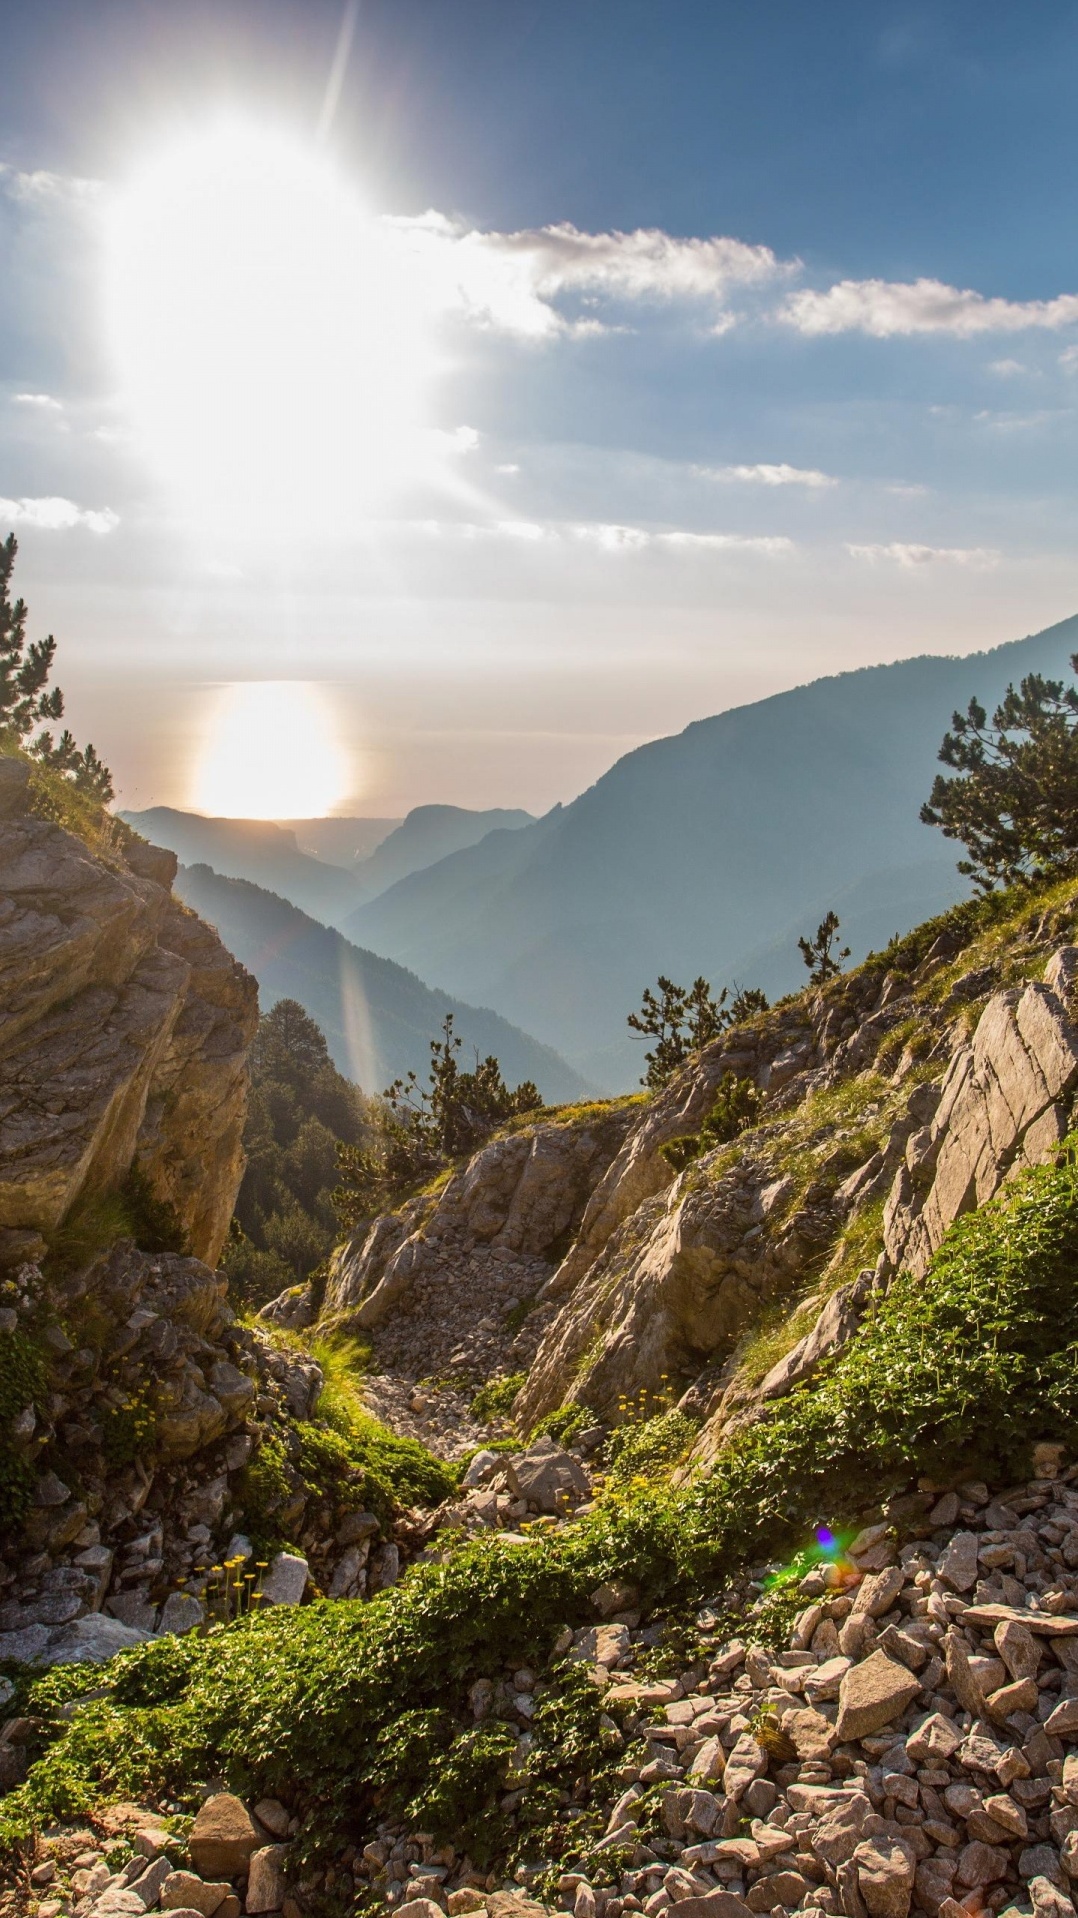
(747, 1760)
(286, 1580)
(981, 1864)
(24, 1647)
(1063, 1722)
(957, 1563)
(1020, 1696)
(481, 1469)
(147, 1885)
(124, 1028)
(355, 1527)
(710, 1760)
(1041, 1861)
(180, 1613)
(265, 1879)
(92, 1640)
(933, 1741)
(467, 1899)
(1044, 1624)
(419, 1908)
(1049, 1900)
(838, 1833)
(183, 1891)
(963, 1680)
(550, 1480)
(885, 1872)
(835, 1327)
(713, 1904)
(222, 1837)
(871, 1695)
(810, 1733)
(1018, 1648)
(786, 1888)
(271, 1813)
(604, 1645)
(133, 1608)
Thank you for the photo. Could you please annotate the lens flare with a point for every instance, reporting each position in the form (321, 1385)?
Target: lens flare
(270, 341)
(270, 751)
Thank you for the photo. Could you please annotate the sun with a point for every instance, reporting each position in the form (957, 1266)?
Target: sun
(270, 342)
(270, 752)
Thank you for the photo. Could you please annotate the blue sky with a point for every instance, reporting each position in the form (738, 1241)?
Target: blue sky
(682, 352)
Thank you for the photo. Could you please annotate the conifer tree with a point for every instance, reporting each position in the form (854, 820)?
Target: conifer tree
(25, 699)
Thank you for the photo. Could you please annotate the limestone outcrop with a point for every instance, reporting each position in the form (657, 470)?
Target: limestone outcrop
(1004, 1104)
(124, 1027)
(521, 1196)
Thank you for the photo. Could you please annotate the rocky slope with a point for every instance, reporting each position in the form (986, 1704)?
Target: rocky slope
(894, 1100)
(136, 1415)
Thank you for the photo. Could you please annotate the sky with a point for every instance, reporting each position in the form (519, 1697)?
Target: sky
(408, 402)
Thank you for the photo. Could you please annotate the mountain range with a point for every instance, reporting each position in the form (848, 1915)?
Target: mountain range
(707, 852)
(326, 867)
(378, 1018)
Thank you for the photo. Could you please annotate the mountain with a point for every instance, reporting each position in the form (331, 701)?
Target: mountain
(340, 842)
(378, 1018)
(253, 849)
(430, 833)
(707, 852)
(326, 867)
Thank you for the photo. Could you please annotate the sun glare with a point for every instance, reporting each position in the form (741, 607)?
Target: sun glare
(269, 340)
(270, 751)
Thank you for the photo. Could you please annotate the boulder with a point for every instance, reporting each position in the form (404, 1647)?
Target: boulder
(223, 1837)
(286, 1580)
(550, 1480)
(872, 1694)
(265, 1879)
(885, 1873)
(183, 1891)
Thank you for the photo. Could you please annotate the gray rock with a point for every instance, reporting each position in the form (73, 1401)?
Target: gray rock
(549, 1479)
(180, 1613)
(92, 1640)
(24, 1647)
(133, 1608)
(286, 1580)
(482, 1467)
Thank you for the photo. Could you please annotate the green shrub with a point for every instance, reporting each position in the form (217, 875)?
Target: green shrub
(495, 1399)
(128, 1430)
(564, 1424)
(737, 1105)
(651, 1447)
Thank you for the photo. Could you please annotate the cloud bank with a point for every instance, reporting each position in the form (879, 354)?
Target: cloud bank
(55, 515)
(885, 308)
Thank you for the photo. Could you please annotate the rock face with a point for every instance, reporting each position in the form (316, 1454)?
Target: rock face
(1004, 1104)
(124, 1026)
(520, 1195)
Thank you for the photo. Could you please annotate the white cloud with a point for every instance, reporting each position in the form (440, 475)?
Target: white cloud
(1007, 369)
(43, 401)
(884, 308)
(40, 187)
(56, 515)
(764, 475)
(908, 554)
(604, 536)
(1069, 358)
(512, 282)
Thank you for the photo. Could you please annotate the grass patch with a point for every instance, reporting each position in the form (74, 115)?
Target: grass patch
(494, 1400)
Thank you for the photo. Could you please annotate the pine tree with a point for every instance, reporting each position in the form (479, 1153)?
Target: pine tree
(25, 702)
(819, 954)
(682, 1020)
(1014, 805)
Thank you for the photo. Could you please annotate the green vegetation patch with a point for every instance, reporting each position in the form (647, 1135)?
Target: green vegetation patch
(23, 1375)
(494, 1400)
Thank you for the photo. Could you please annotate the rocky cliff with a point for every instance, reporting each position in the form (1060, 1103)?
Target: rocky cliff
(124, 1027)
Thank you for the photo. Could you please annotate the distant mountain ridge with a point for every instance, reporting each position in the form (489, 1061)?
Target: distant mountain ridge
(256, 850)
(706, 852)
(378, 1018)
(269, 853)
